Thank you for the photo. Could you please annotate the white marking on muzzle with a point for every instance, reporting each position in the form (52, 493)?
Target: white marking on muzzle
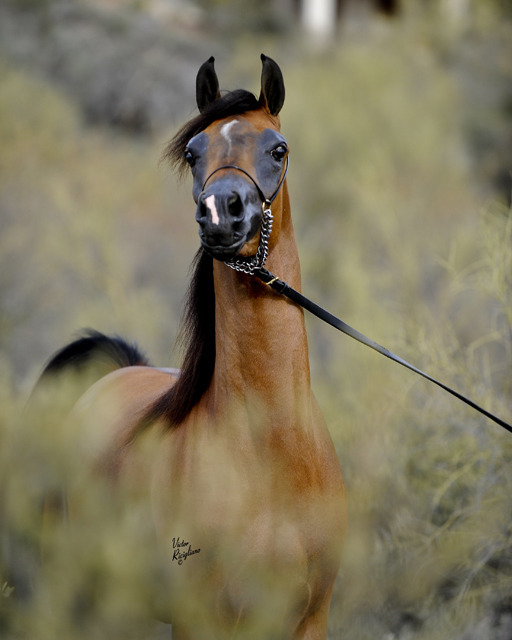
(212, 208)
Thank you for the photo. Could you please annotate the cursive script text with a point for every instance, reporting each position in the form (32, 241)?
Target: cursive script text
(181, 550)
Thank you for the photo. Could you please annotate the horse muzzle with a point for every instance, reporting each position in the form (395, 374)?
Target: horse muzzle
(228, 215)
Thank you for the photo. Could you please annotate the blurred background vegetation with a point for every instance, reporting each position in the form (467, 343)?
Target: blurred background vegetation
(400, 129)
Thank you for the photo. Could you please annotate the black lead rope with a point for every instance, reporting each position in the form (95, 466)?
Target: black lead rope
(255, 267)
(283, 288)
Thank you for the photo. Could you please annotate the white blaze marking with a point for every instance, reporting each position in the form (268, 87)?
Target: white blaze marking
(225, 131)
(210, 203)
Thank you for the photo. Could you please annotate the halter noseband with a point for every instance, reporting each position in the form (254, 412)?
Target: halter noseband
(250, 265)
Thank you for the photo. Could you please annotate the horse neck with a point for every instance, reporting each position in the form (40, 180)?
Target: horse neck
(261, 344)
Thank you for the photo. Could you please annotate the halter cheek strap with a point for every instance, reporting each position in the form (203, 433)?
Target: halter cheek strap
(252, 264)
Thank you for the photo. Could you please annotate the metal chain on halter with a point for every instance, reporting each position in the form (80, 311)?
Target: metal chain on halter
(252, 264)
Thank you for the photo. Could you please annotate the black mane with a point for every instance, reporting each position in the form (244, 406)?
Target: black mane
(197, 338)
(233, 103)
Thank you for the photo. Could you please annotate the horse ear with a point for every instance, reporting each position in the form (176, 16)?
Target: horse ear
(272, 86)
(207, 85)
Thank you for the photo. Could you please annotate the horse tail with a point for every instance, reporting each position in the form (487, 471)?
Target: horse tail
(81, 363)
(66, 376)
(95, 348)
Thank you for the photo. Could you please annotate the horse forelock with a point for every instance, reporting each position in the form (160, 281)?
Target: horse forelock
(233, 103)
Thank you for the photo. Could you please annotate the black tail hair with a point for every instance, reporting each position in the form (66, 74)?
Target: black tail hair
(112, 352)
(91, 356)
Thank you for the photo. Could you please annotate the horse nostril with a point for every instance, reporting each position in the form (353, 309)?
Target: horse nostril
(201, 209)
(235, 205)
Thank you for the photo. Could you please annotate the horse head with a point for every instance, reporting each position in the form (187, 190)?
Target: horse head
(238, 160)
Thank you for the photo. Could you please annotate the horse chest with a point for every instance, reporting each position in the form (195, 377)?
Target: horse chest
(239, 540)
(243, 509)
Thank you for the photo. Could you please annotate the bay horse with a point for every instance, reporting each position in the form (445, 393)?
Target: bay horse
(246, 492)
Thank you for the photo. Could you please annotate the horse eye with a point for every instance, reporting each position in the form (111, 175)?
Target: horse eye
(190, 159)
(279, 152)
